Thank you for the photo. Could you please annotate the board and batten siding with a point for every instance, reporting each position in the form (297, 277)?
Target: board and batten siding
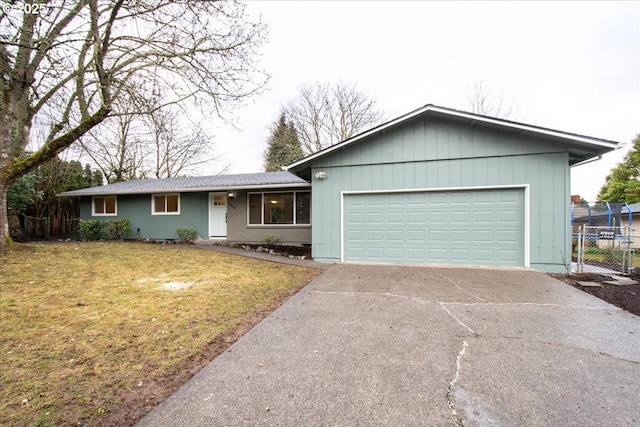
(428, 153)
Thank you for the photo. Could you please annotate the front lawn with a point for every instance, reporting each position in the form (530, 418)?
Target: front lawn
(91, 331)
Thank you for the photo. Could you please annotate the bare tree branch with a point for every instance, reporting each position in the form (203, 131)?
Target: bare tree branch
(482, 101)
(66, 68)
(325, 114)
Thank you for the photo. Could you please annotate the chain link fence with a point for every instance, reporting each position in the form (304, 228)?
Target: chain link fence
(606, 250)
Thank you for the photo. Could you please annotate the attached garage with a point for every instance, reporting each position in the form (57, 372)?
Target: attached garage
(443, 186)
(477, 226)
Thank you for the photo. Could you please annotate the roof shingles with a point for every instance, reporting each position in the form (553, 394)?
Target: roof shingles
(196, 183)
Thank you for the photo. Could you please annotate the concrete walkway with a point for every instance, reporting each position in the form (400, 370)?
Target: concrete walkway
(367, 345)
(265, 256)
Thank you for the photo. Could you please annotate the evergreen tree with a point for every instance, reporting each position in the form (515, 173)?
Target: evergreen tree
(623, 182)
(283, 146)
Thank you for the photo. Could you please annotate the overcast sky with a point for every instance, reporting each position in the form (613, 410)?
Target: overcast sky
(571, 66)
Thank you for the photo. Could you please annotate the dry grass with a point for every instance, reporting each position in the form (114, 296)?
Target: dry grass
(83, 323)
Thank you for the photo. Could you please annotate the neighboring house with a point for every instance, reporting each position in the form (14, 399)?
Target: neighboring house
(433, 186)
(607, 214)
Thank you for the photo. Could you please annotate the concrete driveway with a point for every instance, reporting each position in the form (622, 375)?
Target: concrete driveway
(367, 345)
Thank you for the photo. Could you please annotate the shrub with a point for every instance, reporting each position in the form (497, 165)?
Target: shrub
(271, 241)
(92, 229)
(186, 234)
(117, 229)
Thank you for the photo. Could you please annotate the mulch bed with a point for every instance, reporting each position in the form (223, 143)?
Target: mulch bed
(626, 297)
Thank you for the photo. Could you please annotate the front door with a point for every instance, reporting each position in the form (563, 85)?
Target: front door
(217, 215)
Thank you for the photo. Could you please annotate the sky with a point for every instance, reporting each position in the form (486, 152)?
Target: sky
(571, 66)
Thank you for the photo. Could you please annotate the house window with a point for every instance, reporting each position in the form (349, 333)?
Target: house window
(283, 208)
(165, 204)
(104, 206)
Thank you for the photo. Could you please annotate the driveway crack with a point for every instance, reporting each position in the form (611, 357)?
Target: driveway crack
(471, 294)
(456, 416)
(456, 318)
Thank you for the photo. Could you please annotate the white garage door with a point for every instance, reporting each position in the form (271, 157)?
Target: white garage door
(478, 227)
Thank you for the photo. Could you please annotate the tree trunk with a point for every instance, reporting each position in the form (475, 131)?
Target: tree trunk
(4, 217)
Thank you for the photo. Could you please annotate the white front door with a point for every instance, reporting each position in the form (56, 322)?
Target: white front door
(217, 215)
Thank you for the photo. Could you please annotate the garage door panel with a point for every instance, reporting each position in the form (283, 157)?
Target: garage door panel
(508, 257)
(375, 236)
(459, 236)
(460, 216)
(395, 236)
(395, 200)
(374, 201)
(482, 198)
(464, 227)
(505, 236)
(483, 256)
(416, 199)
(436, 255)
(460, 255)
(437, 199)
(374, 218)
(416, 254)
(416, 217)
(437, 236)
(510, 216)
(484, 216)
(484, 236)
(437, 217)
(395, 218)
(355, 218)
(417, 236)
(374, 253)
(354, 202)
(459, 198)
(509, 197)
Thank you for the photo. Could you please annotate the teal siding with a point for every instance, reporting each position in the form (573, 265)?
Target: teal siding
(137, 209)
(431, 154)
(427, 139)
(194, 213)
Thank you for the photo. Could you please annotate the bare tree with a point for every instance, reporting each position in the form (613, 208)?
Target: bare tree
(161, 143)
(117, 148)
(482, 101)
(177, 148)
(63, 64)
(326, 114)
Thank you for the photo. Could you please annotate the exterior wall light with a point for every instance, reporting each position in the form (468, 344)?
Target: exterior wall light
(231, 194)
(321, 175)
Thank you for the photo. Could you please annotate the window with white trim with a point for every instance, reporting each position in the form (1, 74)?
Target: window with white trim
(165, 204)
(104, 206)
(279, 208)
